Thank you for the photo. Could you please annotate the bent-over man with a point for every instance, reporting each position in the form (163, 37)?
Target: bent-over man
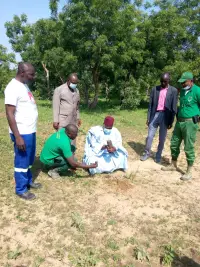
(57, 153)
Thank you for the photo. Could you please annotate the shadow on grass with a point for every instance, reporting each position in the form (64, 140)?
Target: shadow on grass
(137, 147)
(72, 175)
(184, 261)
(64, 174)
(102, 106)
(108, 106)
(36, 169)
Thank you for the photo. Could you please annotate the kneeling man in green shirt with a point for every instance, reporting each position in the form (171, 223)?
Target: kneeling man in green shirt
(187, 124)
(57, 153)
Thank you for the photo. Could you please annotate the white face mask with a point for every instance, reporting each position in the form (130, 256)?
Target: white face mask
(73, 86)
(187, 87)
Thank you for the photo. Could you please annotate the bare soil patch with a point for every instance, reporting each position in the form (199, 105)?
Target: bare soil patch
(120, 219)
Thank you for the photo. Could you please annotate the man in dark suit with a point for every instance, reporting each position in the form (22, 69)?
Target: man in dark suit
(161, 112)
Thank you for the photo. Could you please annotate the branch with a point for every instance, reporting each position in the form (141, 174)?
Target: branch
(46, 70)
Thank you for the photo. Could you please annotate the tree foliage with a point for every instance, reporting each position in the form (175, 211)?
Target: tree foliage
(5, 72)
(118, 48)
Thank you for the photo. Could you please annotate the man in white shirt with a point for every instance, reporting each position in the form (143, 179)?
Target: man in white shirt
(22, 114)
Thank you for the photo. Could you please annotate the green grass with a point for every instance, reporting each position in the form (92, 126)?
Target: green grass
(84, 221)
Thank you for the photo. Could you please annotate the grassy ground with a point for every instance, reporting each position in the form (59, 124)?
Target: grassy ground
(142, 218)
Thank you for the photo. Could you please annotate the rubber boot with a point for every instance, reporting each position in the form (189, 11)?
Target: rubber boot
(188, 175)
(171, 167)
(54, 174)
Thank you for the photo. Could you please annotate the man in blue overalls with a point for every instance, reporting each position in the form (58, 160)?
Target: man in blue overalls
(22, 114)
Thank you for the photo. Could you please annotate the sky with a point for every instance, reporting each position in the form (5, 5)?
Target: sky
(35, 10)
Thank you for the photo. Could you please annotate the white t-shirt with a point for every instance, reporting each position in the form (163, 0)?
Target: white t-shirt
(19, 95)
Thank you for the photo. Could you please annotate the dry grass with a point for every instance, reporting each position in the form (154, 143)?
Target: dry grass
(124, 219)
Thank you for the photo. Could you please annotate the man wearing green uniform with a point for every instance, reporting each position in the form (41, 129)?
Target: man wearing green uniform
(57, 153)
(187, 124)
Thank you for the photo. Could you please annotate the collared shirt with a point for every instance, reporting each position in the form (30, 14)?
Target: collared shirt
(189, 102)
(161, 100)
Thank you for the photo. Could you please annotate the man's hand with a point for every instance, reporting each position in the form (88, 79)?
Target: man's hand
(79, 123)
(20, 144)
(56, 125)
(147, 123)
(169, 127)
(94, 165)
(111, 149)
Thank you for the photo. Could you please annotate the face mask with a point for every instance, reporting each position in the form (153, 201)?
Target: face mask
(107, 131)
(73, 86)
(29, 83)
(186, 88)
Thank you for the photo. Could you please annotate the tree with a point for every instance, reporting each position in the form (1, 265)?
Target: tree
(96, 36)
(5, 67)
(41, 51)
(119, 48)
(53, 5)
(173, 36)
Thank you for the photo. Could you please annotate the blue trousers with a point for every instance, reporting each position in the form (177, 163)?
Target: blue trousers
(23, 162)
(158, 120)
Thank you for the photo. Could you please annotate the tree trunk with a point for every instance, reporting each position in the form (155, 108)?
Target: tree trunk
(86, 95)
(107, 92)
(47, 78)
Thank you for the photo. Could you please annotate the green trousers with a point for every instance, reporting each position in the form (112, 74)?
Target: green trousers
(184, 131)
(59, 162)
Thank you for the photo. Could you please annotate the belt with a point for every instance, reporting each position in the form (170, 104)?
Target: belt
(184, 119)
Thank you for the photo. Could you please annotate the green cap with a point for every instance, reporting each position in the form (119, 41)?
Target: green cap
(186, 76)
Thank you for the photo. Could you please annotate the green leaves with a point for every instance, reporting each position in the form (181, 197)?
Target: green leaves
(5, 62)
(112, 44)
(169, 255)
(19, 33)
(60, 62)
(13, 255)
(53, 5)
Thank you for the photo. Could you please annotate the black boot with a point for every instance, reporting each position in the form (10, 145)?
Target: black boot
(27, 196)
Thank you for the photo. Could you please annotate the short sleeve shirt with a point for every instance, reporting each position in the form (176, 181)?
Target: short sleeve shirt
(57, 145)
(18, 94)
(189, 102)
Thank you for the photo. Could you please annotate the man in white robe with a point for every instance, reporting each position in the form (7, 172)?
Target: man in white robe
(104, 145)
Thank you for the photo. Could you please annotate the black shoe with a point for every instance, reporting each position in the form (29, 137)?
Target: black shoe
(158, 161)
(34, 185)
(27, 196)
